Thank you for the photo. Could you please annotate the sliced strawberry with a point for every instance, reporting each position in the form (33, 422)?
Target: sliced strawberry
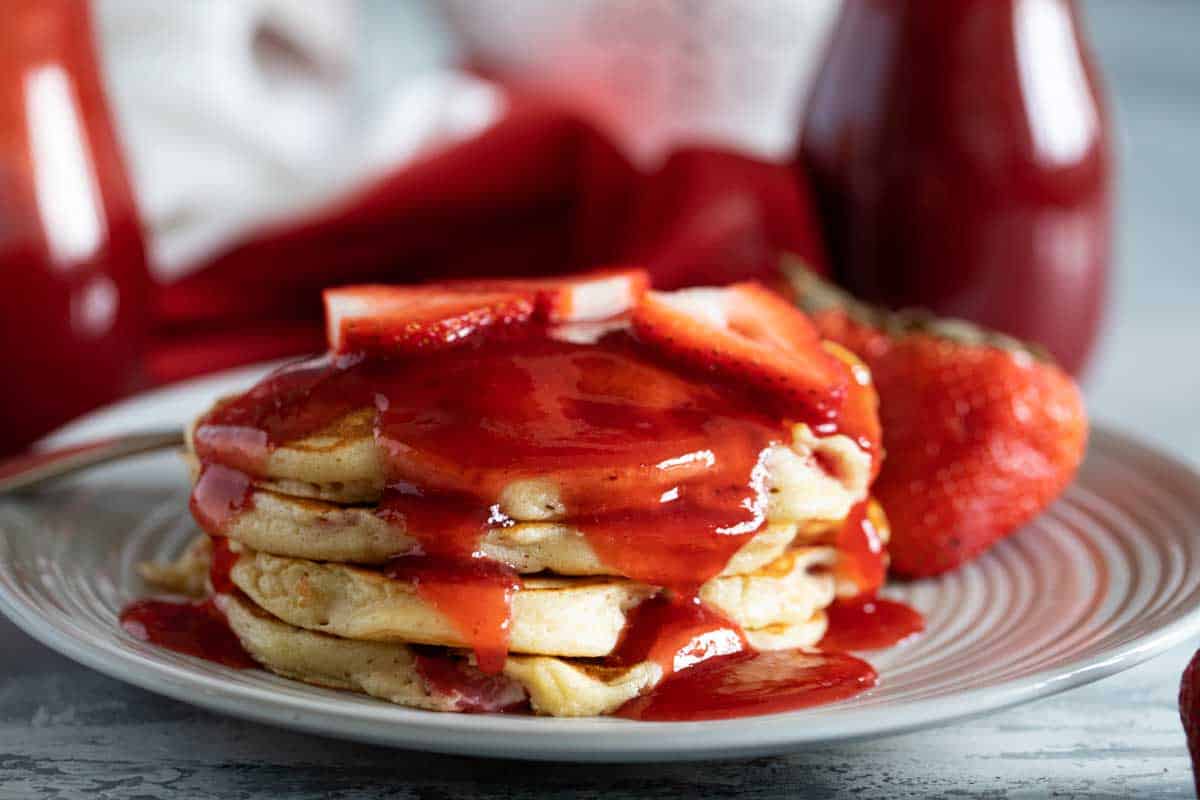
(748, 334)
(587, 297)
(405, 319)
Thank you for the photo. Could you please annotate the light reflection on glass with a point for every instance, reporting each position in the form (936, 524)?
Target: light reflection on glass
(1054, 86)
(68, 198)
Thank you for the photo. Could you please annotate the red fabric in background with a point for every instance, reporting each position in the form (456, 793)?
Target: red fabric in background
(712, 217)
(539, 192)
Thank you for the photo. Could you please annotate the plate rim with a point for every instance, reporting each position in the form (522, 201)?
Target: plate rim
(609, 740)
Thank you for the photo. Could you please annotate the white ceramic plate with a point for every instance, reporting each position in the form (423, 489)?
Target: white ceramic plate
(1108, 577)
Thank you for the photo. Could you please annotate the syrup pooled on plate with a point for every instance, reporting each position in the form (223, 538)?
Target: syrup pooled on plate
(711, 672)
(753, 683)
(195, 628)
(869, 623)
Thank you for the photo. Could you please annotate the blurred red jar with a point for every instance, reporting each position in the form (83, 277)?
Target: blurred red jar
(72, 268)
(960, 155)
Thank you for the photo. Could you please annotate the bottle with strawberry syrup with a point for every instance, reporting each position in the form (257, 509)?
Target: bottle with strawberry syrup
(72, 268)
(960, 155)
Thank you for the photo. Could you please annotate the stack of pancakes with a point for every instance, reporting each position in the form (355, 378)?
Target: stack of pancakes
(312, 602)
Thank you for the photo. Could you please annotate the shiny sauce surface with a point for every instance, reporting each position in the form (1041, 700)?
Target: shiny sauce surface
(861, 556)
(661, 471)
(711, 672)
(752, 683)
(869, 623)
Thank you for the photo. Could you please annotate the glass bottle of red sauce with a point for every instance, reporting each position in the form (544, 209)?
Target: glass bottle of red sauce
(960, 155)
(72, 267)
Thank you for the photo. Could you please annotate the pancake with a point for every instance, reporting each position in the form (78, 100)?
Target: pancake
(574, 617)
(554, 686)
(811, 484)
(813, 478)
(314, 529)
(458, 531)
(388, 671)
(187, 574)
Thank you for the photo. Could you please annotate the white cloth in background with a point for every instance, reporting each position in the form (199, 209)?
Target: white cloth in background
(238, 113)
(235, 114)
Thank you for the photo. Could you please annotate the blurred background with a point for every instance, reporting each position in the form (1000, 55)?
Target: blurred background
(179, 180)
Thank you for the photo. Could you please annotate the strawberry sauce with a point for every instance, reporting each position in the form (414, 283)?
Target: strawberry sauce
(860, 551)
(193, 628)
(711, 672)
(869, 623)
(476, 595)
(750, 683)
(219, 496)
(677, 632)
(221, 564)
(661, 471)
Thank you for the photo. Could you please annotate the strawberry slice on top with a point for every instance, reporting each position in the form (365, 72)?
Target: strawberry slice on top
(411, 319)
(749, 335)
(586, 297)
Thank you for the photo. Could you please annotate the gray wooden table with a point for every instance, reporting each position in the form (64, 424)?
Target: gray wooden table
(67, 732)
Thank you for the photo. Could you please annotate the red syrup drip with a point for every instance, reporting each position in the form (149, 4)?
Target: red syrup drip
(219, 496)
(677, 632)
(869, 623)
(860, 551)
(193, 628)
(473, 592)
(752, 683)
(475, 595)
(221, 565)
(291, 403)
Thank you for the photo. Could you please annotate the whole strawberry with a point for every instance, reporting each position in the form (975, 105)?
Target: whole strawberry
(980, 432)
(1189, 713)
